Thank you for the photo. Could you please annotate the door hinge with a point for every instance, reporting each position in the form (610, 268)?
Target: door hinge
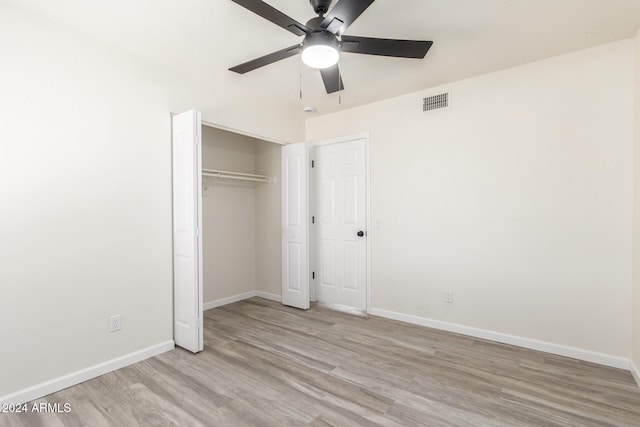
(313, 163)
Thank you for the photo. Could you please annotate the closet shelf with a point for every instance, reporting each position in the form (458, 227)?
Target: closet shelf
(236, 175)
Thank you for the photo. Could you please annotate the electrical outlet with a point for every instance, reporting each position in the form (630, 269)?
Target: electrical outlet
(115, 323)
(448, 296)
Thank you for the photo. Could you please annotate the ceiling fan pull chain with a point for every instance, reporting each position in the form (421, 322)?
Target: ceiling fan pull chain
(300, 72)
(339, 90)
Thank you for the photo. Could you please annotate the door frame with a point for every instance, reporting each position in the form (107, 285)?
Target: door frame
(313, 256)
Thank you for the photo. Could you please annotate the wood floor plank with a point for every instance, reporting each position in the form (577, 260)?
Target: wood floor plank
(266, 364)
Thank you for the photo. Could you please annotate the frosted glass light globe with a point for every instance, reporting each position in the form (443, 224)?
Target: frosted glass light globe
(320, 56)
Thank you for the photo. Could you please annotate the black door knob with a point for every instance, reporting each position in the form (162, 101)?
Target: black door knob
(360, 233)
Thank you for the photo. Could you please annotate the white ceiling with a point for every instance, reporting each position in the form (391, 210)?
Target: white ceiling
(203, 38)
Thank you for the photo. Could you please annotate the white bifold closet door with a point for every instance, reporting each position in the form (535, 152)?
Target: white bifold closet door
(187, 226)
(295, 226)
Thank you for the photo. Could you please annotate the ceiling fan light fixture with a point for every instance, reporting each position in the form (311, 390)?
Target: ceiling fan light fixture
(320, 56)
(320, 50)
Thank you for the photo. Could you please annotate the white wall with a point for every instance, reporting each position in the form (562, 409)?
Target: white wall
(85, 197)
(85, 205)
(518, 198)
(636, 222)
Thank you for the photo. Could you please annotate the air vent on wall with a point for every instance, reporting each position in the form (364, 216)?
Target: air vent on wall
(435, 102)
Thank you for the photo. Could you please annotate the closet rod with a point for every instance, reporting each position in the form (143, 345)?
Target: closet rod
(235, 175)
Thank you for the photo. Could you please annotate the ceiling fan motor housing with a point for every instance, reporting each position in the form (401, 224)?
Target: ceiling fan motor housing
(314, 24)
(320, 6)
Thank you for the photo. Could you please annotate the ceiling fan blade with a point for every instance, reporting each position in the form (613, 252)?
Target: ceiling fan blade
(266, 60)
(332, 79)
(274, 15)
(343, 14)
(385, 47)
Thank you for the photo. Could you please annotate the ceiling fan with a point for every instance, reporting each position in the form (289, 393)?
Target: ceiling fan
(324, 40)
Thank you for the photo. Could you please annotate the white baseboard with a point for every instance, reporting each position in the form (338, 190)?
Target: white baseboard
(239, 297)
(60, 383)
(267, 295)
(228, 300)
(635, 372)
(561, 350)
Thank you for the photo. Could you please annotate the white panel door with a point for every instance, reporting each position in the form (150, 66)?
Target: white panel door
(340, 223)
(295, 226)
(187, 226)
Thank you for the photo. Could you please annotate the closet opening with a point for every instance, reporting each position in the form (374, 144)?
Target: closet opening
(240, 217)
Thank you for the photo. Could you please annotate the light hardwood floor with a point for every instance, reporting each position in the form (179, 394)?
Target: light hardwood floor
(266, 364)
